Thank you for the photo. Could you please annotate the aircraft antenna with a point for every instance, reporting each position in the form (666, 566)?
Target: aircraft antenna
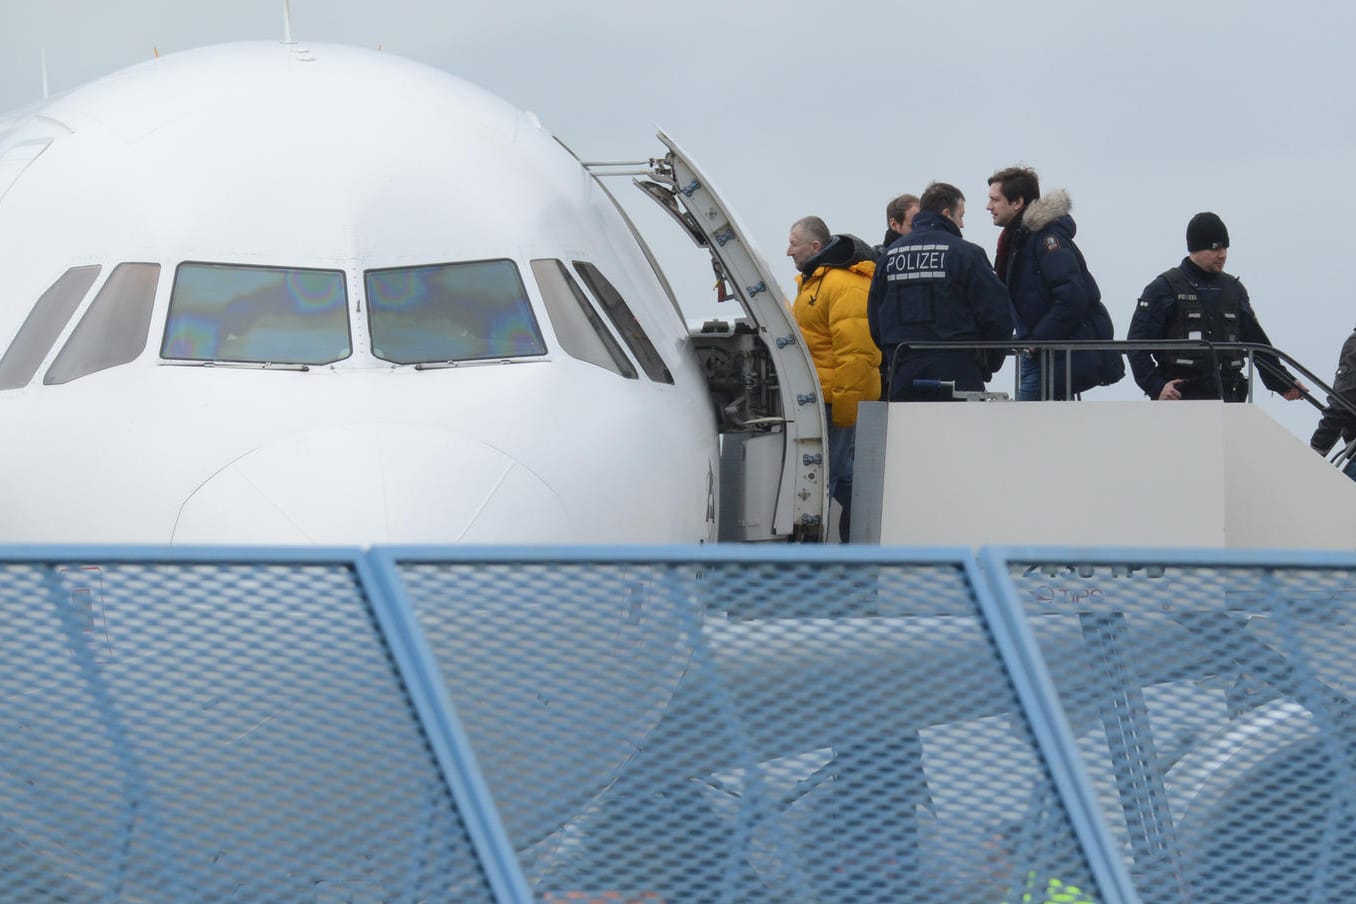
(44, 74)
(287, 22)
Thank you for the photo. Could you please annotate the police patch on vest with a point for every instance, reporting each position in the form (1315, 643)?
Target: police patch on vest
(1051, 243)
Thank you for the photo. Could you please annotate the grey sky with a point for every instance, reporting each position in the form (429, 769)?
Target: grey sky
(1146, 112)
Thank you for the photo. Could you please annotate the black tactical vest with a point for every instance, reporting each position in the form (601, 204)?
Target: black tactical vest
(1213, 313)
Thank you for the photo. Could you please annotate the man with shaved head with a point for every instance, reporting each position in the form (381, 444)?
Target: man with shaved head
(830, 308)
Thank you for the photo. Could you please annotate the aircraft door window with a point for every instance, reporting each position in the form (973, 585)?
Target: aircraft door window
(257, 315)
(619, 312)
(451, 312)
(43, 325)
(578, 327)
(113, 330)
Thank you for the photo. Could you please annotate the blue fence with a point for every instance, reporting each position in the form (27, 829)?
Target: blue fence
(681, 724)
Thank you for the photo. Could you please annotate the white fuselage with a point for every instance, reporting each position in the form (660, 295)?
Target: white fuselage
(338, 160)
(265, 294)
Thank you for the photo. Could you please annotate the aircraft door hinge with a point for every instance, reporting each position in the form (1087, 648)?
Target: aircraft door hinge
(805, 398)
(815, 459)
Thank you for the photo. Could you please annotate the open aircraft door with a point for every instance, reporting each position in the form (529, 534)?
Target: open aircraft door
(774, 464)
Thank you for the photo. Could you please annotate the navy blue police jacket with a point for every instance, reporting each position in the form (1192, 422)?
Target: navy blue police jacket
(1155, 311)
(932, 285)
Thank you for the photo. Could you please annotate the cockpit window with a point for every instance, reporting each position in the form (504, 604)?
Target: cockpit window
(113, 330)
(619, 312)
(578, 327)
(257, 315)
(451, 312)
(43, 325)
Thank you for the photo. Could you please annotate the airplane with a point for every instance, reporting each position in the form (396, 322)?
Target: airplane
(236, 313)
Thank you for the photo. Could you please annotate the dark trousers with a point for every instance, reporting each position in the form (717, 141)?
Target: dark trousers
(1196, 387)
(959, 367)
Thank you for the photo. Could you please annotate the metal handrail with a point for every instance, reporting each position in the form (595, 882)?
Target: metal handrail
(1345, 452)
(1049, 346)
(1270, 356)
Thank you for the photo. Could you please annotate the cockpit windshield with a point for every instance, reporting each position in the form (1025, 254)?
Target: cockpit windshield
(451, 312)
(225, 312)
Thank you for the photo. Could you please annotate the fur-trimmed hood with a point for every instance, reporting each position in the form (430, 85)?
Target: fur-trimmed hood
(1046, 209)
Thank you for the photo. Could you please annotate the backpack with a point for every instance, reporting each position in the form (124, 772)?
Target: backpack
(1093, 367)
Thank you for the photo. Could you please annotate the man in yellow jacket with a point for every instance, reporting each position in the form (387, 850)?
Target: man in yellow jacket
(830, 308)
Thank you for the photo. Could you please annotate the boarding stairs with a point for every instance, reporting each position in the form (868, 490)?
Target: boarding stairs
(772, 417)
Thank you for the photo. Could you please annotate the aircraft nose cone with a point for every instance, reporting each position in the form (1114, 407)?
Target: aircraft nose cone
(365, 484)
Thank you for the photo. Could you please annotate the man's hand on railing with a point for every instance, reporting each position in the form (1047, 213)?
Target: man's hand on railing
(1297, 388)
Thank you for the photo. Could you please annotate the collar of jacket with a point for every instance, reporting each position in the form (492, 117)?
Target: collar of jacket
(842, 251)
(925, 220)
(1195, 274)
(864, 268)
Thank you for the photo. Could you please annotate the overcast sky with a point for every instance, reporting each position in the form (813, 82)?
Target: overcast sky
(1145, 112)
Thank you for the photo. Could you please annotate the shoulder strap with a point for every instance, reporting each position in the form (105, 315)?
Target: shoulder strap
(1082, 264)
(1232, 289)
(1078, 253)
(1177, 282)
(1036, 259)
(1099, 318)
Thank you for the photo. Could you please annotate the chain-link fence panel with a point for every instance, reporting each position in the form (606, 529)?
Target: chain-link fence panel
(1212, 699)
(175, 731)
(788, 724)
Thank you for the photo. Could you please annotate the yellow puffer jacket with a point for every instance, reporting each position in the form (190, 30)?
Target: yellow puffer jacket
(830, 309)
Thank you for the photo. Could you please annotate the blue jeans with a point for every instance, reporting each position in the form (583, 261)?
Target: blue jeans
(1029, 384)
(1350, 469)
(842, 446)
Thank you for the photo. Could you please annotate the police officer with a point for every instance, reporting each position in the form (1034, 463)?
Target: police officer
(932, 285)
(1198, 300)
(1337, 421)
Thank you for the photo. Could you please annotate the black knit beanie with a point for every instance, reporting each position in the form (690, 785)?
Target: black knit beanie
(1206, 231)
